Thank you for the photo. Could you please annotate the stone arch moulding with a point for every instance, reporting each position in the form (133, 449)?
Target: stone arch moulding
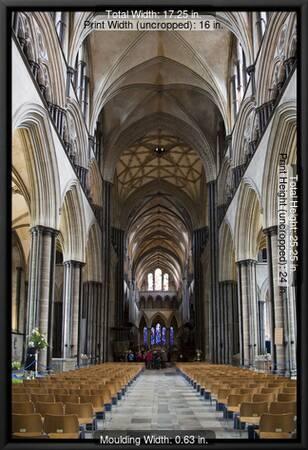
(72, 224)
(42, 164)
(248, 223)
(282, 138)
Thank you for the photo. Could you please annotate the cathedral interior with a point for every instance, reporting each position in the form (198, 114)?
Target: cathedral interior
(144, 190)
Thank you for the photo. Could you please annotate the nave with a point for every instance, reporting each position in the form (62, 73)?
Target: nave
(164, 400)
(194, 397)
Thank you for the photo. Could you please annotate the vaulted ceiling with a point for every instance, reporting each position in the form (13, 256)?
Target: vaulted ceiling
(159, 156)
(160, 98)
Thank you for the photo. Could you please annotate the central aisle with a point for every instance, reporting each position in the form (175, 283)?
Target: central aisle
(163, 400)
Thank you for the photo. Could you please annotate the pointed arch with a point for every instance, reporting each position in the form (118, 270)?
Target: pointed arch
(77, 132)
(227, 268)
(158, 318)
(248, 223)
(94, 183)
(32, 123)
(266, 59)
(282, 140)
(93, 254)
(72, 225)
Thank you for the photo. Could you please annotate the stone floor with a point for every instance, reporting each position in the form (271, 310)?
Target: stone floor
(164, 400)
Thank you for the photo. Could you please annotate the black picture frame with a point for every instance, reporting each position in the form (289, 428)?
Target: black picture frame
(5, 231)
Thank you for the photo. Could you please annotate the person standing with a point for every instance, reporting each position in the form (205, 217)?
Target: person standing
(149, 359)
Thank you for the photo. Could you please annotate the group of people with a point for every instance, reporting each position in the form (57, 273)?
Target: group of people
(153, 359)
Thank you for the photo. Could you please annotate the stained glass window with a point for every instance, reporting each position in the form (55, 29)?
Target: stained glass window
(158, 280)
(166, 282)
(150, 282)
(158, 334)
(163, 335)
(152, 336)
(145, 336)
(171, 336)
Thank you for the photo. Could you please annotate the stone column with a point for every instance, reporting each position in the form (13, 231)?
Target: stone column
(199, 241)
(261, 327)
(71, 303)
(168, 337)
(18, 296)
(41, 286)
(214, 296)
(118, 245)
(230, 331)
(292, 366)
(251, 72)
(149, 337)
(247, 292)
(106, 253)
(278, 300)
(69, 78)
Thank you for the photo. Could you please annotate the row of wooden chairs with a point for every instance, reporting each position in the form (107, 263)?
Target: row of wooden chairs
(56, 406)
(53, 426)
(265, 401)
(84, 411)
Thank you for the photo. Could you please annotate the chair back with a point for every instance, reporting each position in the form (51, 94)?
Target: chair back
(61, 424)
(251, 409)
(20, 397)
(282, 408)
(286, 397)
(67, 398)
(22, 408)
(42, 398)
(277, 423)
(95, 400)
(49, 408)
(263, 397)
(81, 410)
(27, 423)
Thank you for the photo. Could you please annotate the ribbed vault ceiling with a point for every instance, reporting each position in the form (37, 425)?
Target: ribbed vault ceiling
(177, 164)
(160, 100)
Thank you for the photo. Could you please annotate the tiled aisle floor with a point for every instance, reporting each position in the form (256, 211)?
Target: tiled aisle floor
(164, 400)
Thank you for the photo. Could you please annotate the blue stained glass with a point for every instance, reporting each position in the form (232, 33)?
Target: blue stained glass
(145, 336)
(163, 335)
(171, 336)
(158, 334)
(152, 336)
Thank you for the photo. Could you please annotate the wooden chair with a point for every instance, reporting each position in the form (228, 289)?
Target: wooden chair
(276, 426)
(23, 408)
(58, 391)
(289, 390)
(286, 397)
(67, 398)
(85, 392)
(251, 412)
(21, 397)
(27, 425)
(263, 398)
(42, 398)
(282, 408)
(37, 390)
(104, 394)
(235, 400)
(18, 389)
(56, 408)
(222, 395)
(74, 391)
(62, 426)
(84, 412)
(96, 401)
